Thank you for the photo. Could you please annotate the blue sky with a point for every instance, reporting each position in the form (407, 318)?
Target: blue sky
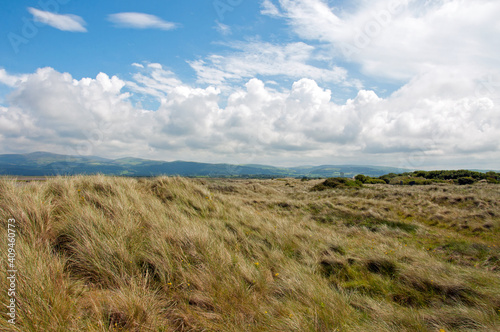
(407, 83)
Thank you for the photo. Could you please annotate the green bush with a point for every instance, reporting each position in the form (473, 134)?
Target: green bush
(368, 179)
(331, 183)
(466, 180)
(388, 177)
(375, 181)
(410, 181)
(361, 178)
(492, 180)
(421, 174)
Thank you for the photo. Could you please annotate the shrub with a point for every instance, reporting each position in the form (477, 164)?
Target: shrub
(421, 174)
(361, 178)
(387, 177)
(410, 181)
(492, 180)
(466, 180)
(374, 181)
(331, 183)
(368, 179)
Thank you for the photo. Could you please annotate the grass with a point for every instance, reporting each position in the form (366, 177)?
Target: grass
(173, 254)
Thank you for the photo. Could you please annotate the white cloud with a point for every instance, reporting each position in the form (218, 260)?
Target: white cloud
(140, 21)
(398, 39)
(446, 113)
(65, 22)
(414, 127)
(268, 8)
(257, 58)
(11, 80)
(155, 66)
(154, 81)
(223, 29)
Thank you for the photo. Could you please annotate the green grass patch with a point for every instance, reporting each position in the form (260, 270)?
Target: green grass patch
(374, 224)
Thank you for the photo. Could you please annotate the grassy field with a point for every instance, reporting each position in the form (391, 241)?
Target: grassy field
(173, 254)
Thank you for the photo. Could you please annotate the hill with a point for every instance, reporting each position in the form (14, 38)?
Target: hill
(49, 164)
(96, 253)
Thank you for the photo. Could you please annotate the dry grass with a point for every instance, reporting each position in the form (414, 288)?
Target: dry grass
(173, 254)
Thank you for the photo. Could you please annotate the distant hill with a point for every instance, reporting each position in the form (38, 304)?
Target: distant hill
(49, 164)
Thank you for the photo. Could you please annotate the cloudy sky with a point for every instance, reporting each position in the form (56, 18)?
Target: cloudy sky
(404, 83)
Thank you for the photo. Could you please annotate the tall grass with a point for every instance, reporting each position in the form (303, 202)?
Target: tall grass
(171, 254)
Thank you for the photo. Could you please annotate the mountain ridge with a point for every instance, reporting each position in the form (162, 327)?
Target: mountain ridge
(41, 163)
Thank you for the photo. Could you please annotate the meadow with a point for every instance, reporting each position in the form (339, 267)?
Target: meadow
(98, 253)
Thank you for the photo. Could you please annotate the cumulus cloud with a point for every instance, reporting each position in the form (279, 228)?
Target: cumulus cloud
(413, 127)
(11, 80)
(399, 39)
(67, 22)
(140, 21)
(445, 114)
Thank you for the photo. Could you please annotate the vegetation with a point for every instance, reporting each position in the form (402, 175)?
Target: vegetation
(466, 180)
(172, 254)
(368, 180)
(430, 177)
(337, 183)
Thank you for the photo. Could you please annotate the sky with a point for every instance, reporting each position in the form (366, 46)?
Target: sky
(403, 83)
